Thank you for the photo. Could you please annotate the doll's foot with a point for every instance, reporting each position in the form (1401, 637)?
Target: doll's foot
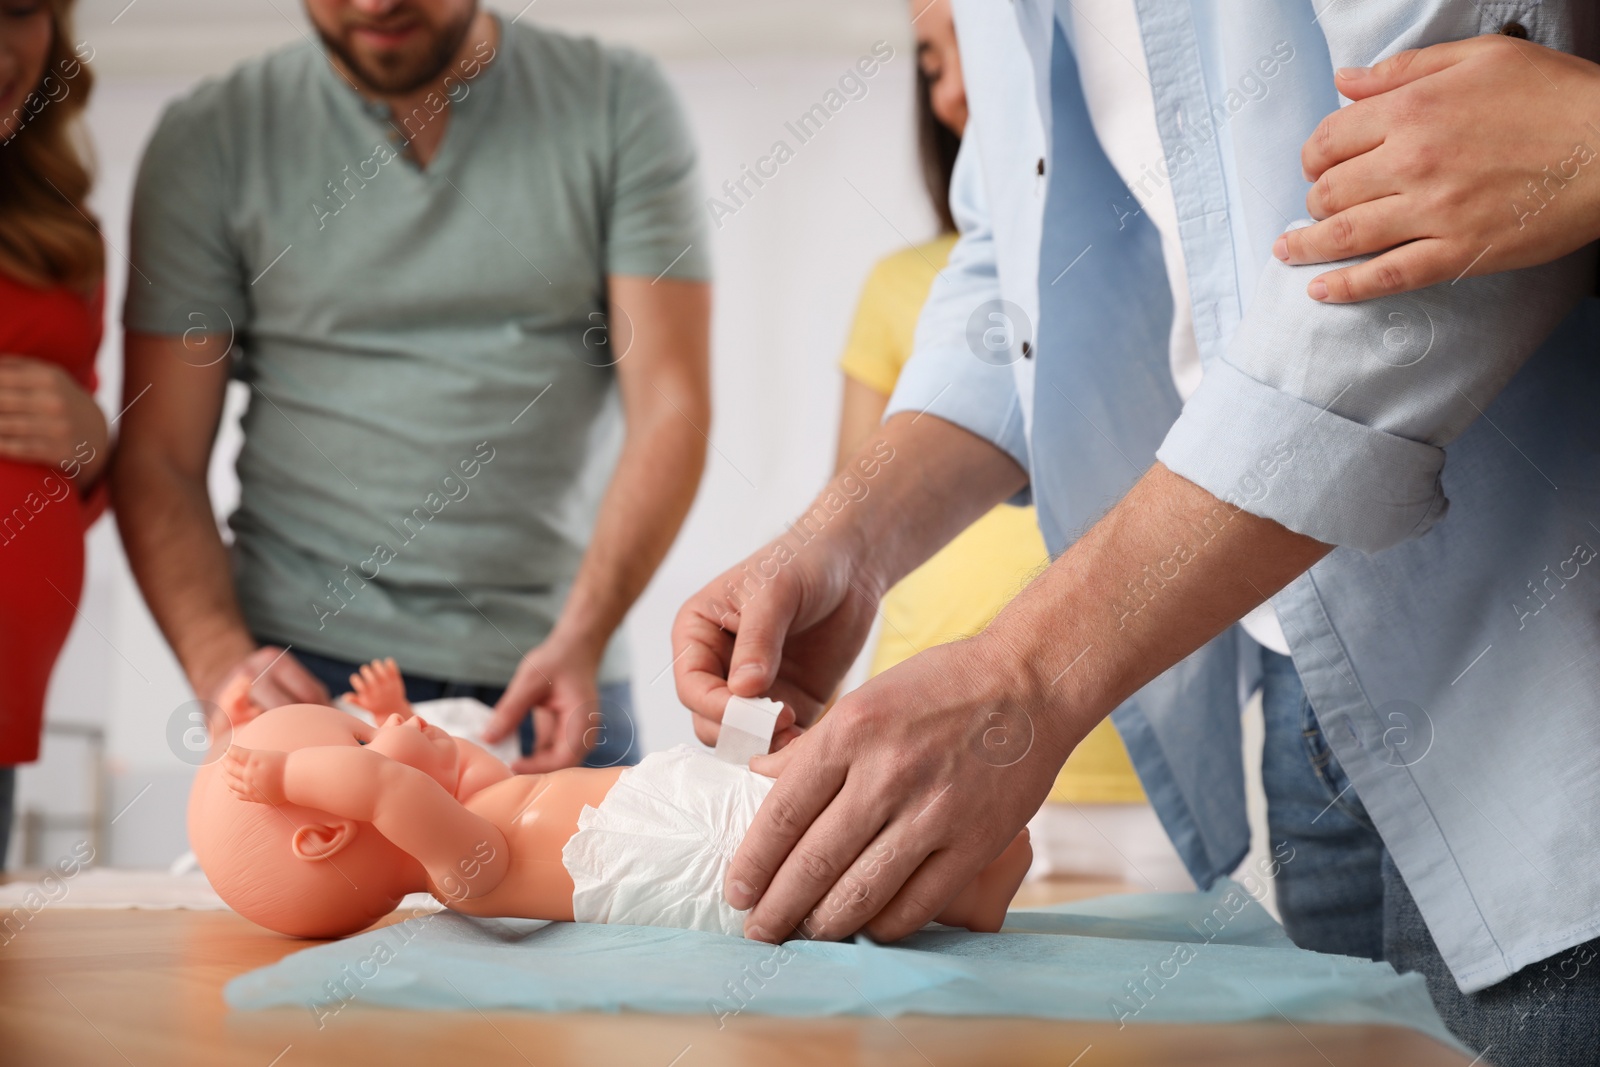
(236, 702)
(379, 688)
(981, 906)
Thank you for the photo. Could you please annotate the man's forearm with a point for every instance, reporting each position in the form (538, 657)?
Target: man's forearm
(181, 565)
(928, 479)
(1166, 570)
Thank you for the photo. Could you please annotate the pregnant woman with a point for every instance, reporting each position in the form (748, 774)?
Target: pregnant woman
(53, 438)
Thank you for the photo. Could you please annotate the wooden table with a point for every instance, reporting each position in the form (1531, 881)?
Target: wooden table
(145, 988)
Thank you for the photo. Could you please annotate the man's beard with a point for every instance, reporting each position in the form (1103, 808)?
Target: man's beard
(404, 73)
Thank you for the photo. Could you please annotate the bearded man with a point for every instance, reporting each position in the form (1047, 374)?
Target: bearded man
(460, 264)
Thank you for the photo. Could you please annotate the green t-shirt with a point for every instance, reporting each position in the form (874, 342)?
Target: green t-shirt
(399, 495)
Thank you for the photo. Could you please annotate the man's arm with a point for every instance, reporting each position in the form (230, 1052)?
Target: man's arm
(1433, 164)
(788, 621)
(1374, 391)
(791, 618)
(971, 734)
(173, 388)
(659, 333)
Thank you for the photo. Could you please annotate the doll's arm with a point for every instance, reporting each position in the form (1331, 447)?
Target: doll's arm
(379, 688)
(464, 854)
(480, 768)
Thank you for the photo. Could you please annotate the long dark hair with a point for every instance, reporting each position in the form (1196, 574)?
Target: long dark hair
(45, 237)
(936, 147)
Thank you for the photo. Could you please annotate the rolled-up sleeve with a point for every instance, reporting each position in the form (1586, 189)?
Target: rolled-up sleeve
(945, 376)
(1332, 419)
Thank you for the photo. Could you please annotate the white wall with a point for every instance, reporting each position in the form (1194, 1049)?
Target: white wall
(788, 267)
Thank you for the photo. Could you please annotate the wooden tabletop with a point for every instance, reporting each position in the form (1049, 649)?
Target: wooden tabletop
(145, 988)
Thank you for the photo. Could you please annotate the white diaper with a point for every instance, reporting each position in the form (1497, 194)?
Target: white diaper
(655, 852)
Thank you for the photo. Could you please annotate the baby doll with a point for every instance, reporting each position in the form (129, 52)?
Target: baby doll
(315, 824)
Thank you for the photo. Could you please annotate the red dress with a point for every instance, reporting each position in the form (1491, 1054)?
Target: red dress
(43, 517)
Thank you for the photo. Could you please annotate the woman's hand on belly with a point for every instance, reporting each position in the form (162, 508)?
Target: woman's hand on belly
(46, 418)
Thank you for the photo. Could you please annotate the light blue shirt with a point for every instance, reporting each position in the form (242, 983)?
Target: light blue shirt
(1453, 659)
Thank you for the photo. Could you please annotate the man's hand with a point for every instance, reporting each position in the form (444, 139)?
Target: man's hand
(788, 622)
(896, 800)
(46, 418)
(558, 682)
(790, 637)
(885, 809)
(1462, 159)
(255, 774)
(275, 678)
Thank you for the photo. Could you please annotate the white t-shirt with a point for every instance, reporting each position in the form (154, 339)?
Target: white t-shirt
(1116, 87)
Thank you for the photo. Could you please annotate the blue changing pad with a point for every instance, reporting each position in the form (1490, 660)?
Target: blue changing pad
(1156, 957)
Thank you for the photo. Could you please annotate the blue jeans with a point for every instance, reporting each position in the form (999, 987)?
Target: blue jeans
(1341, 892)
(1330, 892)
(8, 799)
(615, 735)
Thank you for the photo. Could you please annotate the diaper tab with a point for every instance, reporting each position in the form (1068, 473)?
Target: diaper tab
(747, 726)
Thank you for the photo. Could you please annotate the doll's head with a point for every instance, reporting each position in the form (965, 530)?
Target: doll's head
(301, 871)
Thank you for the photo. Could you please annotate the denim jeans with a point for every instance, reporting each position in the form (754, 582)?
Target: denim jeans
(1330, 892)
(8, 799)
(1341, 892)
(615, 736)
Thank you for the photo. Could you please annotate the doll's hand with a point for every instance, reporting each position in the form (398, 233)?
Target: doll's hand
(255, 775)
(379, 688)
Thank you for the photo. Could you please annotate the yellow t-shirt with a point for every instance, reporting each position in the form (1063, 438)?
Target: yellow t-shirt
(957, 592)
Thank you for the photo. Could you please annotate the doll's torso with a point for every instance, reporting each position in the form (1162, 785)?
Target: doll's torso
(538, 814)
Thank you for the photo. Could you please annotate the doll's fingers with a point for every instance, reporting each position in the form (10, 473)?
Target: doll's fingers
(234, 762)
(771, 764)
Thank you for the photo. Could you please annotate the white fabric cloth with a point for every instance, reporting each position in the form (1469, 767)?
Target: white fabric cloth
(1116, 87)
(118, 889)
(656, 850)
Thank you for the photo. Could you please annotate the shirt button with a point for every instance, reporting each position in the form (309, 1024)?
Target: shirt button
(1039, 167)
(1515, 29)
(1027, 350)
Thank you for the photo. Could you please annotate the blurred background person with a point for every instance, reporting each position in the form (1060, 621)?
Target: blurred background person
(467, 214)
(1097, 798)
(53, 437)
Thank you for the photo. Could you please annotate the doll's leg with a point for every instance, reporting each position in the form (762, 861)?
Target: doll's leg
(982, 905)
(379, 688)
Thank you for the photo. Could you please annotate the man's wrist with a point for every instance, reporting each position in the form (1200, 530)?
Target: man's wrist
(1043, 680)
(578, 639)
(208, 666)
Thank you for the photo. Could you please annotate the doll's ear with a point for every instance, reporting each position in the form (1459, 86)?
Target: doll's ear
(319, 841)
